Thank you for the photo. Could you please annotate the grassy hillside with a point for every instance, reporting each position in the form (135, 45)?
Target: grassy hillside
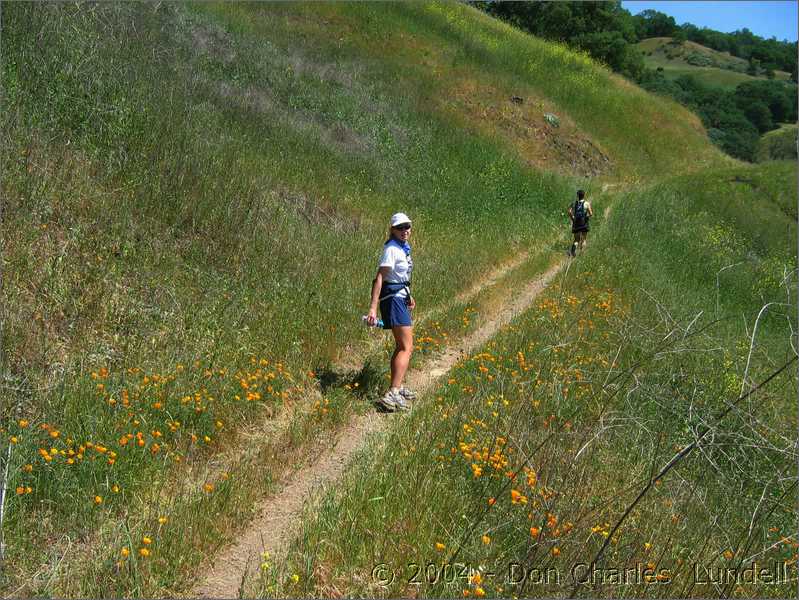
(713, 68)
(535, 448)
(195, 196)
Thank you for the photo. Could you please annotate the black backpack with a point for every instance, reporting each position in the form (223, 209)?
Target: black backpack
(580, 216)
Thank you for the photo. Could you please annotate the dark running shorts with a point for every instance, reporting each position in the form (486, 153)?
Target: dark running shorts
(395, 312)
(584, 228)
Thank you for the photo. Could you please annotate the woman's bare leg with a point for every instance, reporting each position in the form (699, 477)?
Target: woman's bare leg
(402, 354)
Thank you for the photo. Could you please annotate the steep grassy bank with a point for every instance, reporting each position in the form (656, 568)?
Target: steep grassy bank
(194, 200)
(536, 446)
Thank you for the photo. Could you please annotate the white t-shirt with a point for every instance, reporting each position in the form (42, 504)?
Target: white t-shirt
(401, 265)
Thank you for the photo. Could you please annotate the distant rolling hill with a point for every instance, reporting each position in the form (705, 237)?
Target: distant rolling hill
(719, 69)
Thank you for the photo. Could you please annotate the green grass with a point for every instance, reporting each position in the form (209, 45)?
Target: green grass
(195, 198)
(710, 76)
(532, 450)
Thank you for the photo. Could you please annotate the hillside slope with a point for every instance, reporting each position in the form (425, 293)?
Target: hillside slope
(147, 170)
(711, 67)
(194, 200)
(594, 444)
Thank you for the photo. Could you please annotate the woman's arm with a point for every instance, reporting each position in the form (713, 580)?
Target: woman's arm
(377, 284)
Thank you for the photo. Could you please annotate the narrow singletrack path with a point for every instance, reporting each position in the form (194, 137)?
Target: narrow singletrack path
(279, 514)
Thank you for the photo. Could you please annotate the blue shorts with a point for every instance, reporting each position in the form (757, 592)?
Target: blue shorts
(395, 312)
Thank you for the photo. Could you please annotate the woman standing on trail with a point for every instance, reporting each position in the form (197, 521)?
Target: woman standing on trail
(391, 289)
(579, 213)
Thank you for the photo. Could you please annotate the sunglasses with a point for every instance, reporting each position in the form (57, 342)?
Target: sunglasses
(403, 227)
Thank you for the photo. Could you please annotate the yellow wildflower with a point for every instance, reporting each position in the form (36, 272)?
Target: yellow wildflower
(517, 497)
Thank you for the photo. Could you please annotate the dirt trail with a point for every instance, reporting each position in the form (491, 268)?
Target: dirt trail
(606, 187)
(354, 359)
(279, 514)
(492, 277)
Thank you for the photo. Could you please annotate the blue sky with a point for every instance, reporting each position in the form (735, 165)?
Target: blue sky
(766, 19)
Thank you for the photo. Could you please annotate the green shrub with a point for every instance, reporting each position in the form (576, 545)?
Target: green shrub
(778, 145)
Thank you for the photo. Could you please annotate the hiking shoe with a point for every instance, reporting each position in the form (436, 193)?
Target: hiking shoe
(389, 401)
(409, 395)
(401, 403)
(573, 250)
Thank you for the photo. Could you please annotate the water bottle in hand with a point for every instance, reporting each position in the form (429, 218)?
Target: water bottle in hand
(379, 322)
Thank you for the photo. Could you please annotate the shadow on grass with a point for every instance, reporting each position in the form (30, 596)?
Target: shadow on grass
(366, 383)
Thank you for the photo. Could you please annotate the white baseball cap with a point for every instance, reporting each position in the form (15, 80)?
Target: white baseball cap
(399, 219)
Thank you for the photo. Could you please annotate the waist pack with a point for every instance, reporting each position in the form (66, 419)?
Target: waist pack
(394, 288)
